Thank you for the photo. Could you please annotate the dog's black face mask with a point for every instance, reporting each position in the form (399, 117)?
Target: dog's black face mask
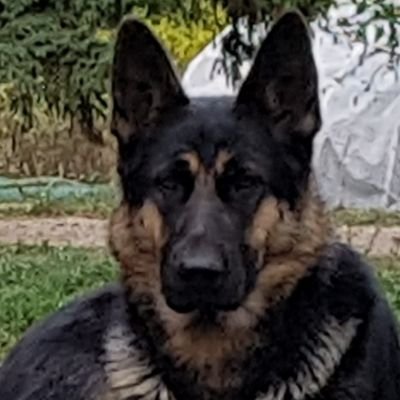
(208, 164)
(206, 263)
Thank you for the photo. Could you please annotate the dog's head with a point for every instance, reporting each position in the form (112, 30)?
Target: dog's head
(212, 187)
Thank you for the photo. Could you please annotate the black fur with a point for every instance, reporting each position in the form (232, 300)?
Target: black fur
(333, 338)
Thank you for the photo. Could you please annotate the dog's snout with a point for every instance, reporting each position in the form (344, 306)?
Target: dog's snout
(201, 268)
(199, 275)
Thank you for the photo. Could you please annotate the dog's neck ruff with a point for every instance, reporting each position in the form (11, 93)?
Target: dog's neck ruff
(131, 375)
(318, 364)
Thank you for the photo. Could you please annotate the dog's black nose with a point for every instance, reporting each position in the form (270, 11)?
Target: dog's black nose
(201, 268)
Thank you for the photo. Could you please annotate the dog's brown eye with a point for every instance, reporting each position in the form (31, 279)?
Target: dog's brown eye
(241, 188)
(168, 185)
(245, 183)
(175, 185)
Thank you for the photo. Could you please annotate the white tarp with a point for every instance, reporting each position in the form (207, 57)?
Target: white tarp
(357, 152)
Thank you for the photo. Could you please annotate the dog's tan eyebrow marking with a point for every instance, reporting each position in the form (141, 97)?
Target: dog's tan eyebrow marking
(197, 168)
(193, 160)
(222, 158)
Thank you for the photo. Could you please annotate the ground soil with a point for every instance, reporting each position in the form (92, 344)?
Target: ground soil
(89, 233)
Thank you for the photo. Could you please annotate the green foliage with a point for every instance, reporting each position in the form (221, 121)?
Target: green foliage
(49, 51)
(186, 38)
(389, 273)
(95, 206)
(55, 55)
(379, 218)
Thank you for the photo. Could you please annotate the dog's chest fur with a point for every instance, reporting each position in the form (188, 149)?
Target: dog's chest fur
(132, 375)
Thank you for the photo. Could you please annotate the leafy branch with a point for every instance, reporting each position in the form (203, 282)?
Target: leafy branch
(55, 54)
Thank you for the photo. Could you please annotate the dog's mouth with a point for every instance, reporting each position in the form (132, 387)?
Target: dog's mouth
(207, 304)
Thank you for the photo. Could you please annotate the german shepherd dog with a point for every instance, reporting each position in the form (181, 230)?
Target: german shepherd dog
(232, 284)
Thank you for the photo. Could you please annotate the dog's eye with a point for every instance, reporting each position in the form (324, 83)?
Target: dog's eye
(245, 183)
(175, 185)
(239, 187)
(168, 185)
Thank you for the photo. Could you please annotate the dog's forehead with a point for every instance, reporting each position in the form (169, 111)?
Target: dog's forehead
(207, 121)
(210, 129)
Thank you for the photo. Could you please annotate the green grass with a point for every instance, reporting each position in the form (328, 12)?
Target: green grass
(366, 217)
(36, 280)
(96, 206)
(389, 273)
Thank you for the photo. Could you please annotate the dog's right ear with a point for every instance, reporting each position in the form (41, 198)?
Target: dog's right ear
(144, 83)
(282, 84)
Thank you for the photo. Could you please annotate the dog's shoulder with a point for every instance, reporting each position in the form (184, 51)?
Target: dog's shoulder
(342, 284)
(335, 329)
(61, 356)
(354, 293)
(328, 307)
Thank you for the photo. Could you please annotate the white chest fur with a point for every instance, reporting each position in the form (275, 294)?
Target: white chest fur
(129, 373)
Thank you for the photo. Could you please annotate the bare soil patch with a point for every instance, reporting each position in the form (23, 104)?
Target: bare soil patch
(89, 232)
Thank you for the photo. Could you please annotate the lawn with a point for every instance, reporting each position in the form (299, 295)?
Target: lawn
(93, 206)
(36, 280)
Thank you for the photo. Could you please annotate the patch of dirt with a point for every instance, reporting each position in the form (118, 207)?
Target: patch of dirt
(65, 231)
(88, 232)
(372, 240)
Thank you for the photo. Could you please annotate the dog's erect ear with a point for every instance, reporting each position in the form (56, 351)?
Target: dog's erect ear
(283, 84)
(144, 83)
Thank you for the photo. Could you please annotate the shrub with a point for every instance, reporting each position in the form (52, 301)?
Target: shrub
(186, 38)
(56, 132)
(55, 58)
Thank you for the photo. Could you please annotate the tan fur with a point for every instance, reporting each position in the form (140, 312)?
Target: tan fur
(277, 230)
(203, 177)
(288, 243)
(194, 162)
(207, 350)
(136, 239)
(129, 372)
(222, 158)
(197, 168)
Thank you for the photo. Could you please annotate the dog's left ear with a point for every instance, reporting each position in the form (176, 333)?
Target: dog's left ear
(144, 83)
(282, 85)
